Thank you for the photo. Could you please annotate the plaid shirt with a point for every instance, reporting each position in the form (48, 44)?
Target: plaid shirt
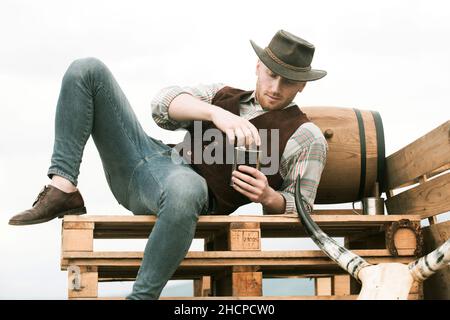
(305, 152)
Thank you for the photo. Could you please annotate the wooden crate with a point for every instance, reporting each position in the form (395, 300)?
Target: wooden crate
(233, 263)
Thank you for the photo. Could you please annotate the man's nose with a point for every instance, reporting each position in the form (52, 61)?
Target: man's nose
(276, 86)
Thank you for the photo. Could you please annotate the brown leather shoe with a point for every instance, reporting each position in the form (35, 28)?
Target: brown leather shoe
(49, 204)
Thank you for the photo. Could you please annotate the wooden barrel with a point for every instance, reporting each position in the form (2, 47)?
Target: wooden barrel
(356, 154)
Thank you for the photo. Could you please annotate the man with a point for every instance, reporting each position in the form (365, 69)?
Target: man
(148, 177)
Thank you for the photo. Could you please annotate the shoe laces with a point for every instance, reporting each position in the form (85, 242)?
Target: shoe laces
(41, 194)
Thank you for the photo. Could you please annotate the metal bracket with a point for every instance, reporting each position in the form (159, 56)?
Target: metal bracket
(74, 278)
(404, 223)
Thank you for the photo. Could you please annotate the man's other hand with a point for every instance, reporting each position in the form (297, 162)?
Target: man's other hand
(253, 184)
(236, 127)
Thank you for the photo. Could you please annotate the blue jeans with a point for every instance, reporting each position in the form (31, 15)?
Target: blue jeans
(139, 169)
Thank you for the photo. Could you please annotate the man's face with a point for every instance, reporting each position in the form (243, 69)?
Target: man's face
(274, 92)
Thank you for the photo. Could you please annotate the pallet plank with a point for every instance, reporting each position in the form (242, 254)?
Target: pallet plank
(427, 199)
(409, 163)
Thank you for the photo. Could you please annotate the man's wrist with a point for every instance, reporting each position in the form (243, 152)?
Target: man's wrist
(274, 202)
(212, 110)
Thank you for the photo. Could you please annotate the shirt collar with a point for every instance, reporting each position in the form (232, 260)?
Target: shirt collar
(249, 98)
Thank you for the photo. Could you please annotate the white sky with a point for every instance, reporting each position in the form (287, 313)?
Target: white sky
(389, 56)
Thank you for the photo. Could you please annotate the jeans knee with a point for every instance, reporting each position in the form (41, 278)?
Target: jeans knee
(85, 67)
(187, 193)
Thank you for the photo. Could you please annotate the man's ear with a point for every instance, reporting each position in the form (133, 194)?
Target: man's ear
(258, 63)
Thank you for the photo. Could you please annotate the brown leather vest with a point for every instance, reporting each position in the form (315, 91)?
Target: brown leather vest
(218, 175)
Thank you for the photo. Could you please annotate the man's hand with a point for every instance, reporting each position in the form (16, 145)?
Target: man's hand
(253, 184)
(235, 126)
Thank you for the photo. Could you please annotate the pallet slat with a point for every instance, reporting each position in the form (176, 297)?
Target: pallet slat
(274, 254)
(279, 226)
(427, 199)
(219, 220)
(409, 163)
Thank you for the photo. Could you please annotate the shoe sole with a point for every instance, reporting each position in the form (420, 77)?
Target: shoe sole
(77, 212)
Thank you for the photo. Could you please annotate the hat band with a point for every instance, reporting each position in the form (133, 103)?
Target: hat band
(275, 58)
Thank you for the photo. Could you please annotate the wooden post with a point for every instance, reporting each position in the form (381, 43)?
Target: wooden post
(202, 286)
(246, 280)
(341, 285)
(82, 280)
(78, 236)
(238, 280)
(218, 282)
(432, 220)
(323, 286)
(437, 287)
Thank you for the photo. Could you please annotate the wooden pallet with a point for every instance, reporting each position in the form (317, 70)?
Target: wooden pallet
(233, 263)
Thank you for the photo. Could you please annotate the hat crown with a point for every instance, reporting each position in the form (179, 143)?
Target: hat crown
(291, 49)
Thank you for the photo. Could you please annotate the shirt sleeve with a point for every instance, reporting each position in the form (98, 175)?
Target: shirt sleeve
(307, 162)
(161, 102)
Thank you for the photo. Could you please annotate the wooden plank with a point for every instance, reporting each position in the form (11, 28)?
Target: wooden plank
(323, 286)
(426, 200)
(341, 285)
(245, 239)
(128, 273)
(272, 231)
(78, 225)
(246, 284)
(111, 220)
(202, 286)
(274, 263)
(77, 240)
(437, 286)
(135, 227)
(244, 225)
(270, 254)
(420, 157)
(88, 280)
(288, 263)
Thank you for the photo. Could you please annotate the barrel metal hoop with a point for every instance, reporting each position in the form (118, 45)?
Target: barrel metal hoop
(381, 151)
(362, 140)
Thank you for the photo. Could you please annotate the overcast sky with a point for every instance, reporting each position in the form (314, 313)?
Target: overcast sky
(388, 56)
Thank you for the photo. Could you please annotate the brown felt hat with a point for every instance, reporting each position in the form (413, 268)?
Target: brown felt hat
(290, 57)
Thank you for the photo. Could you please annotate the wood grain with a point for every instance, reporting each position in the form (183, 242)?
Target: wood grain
(424, 155)
(427, 199)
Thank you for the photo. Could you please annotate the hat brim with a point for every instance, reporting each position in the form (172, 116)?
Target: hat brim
(287, 73)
